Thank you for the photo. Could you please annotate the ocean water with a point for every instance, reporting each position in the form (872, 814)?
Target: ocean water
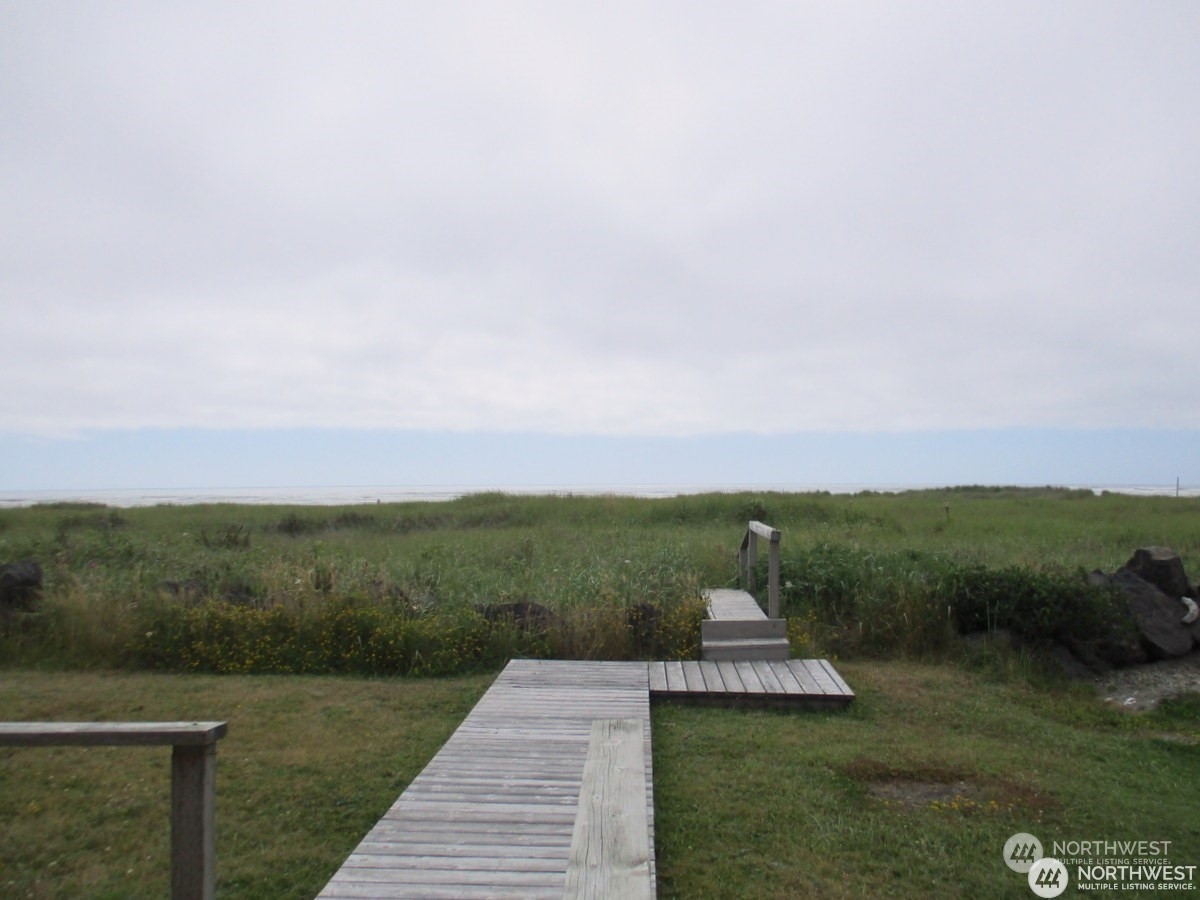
(356, 494)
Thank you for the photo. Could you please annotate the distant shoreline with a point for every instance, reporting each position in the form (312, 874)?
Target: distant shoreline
(352, 495)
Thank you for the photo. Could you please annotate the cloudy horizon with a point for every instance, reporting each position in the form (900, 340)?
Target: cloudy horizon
(695, 222)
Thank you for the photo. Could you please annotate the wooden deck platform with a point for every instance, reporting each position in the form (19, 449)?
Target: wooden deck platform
(803, 683)
(495, 811)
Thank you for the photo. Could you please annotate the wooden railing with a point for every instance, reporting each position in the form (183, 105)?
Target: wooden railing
(748, 560)
(193, 779)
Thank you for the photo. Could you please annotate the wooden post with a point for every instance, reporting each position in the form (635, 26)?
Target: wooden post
(751, 560)
(773, 577)
(193, 822)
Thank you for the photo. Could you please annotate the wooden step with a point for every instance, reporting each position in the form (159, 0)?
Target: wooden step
(746, 648)
(735, 629)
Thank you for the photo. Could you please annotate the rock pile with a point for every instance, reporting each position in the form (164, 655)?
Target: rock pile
(20, 588)
(1158, 592)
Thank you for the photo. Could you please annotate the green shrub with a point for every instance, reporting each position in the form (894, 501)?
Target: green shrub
(883, 603)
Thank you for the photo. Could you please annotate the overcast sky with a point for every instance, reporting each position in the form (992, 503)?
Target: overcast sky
(643, 220)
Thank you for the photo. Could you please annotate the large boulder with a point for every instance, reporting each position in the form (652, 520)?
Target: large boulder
(530, 618)
(1158, 617)
(1162, 567)
(20, 586)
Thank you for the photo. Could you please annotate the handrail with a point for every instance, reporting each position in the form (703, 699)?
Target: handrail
(193, 779)
(748, 559)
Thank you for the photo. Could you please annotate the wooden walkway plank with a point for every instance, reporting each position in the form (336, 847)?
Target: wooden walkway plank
(675, 680)
(837, 678)
(768, 677)
(729, 675)
(821, 676)
(692, 677)
(783, 672)
(658, 677)
(749, 677)
(610, 854)
(724, 603)
(713, 681)
(800, 673)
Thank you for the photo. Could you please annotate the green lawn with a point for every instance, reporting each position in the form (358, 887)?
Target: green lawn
(911, 792)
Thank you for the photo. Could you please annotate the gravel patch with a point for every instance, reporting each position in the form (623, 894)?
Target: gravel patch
(1144, 687)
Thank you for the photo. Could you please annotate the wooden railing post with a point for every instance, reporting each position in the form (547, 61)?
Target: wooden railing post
(193, 783)
(748, 556)
(193, 822)
(751, 561)
(773, 578)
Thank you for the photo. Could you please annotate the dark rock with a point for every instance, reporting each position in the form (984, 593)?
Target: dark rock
(527, 617)
(188, 591)
(1157, 616)
(1162, 567)
(1118, 649)
(643, 620)
(20, 586)
(1069, 664)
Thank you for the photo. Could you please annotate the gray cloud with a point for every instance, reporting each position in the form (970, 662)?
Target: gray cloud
(623, 218)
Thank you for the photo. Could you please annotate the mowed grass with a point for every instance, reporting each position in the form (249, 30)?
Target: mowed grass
(308, 766)
(914, 790)
(911, 792)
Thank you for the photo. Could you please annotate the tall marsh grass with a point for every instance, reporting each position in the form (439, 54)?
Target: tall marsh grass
(403, 588)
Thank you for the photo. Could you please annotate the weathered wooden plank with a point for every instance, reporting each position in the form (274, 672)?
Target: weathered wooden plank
(493, 875)
(729, 674)
(692, 677)
(610, 849)
(737, 629)
(529, 849)
(771, 534)
(657, 672)
(838, 681)
(356, 891)
(783, 672)
(749, 678)
(820, 676)
(725, 603)
(110, 734)
(767, 676)
(676, 683)
(443, 862)
(800, 673)
(713, 683)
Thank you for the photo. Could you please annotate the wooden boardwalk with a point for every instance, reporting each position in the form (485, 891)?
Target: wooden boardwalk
(738, 629)
(494, 813)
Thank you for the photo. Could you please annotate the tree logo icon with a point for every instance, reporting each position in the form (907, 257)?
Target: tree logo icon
(1048, 877)
(1021, 851)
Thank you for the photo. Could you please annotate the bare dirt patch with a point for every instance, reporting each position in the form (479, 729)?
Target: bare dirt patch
(933, 788)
